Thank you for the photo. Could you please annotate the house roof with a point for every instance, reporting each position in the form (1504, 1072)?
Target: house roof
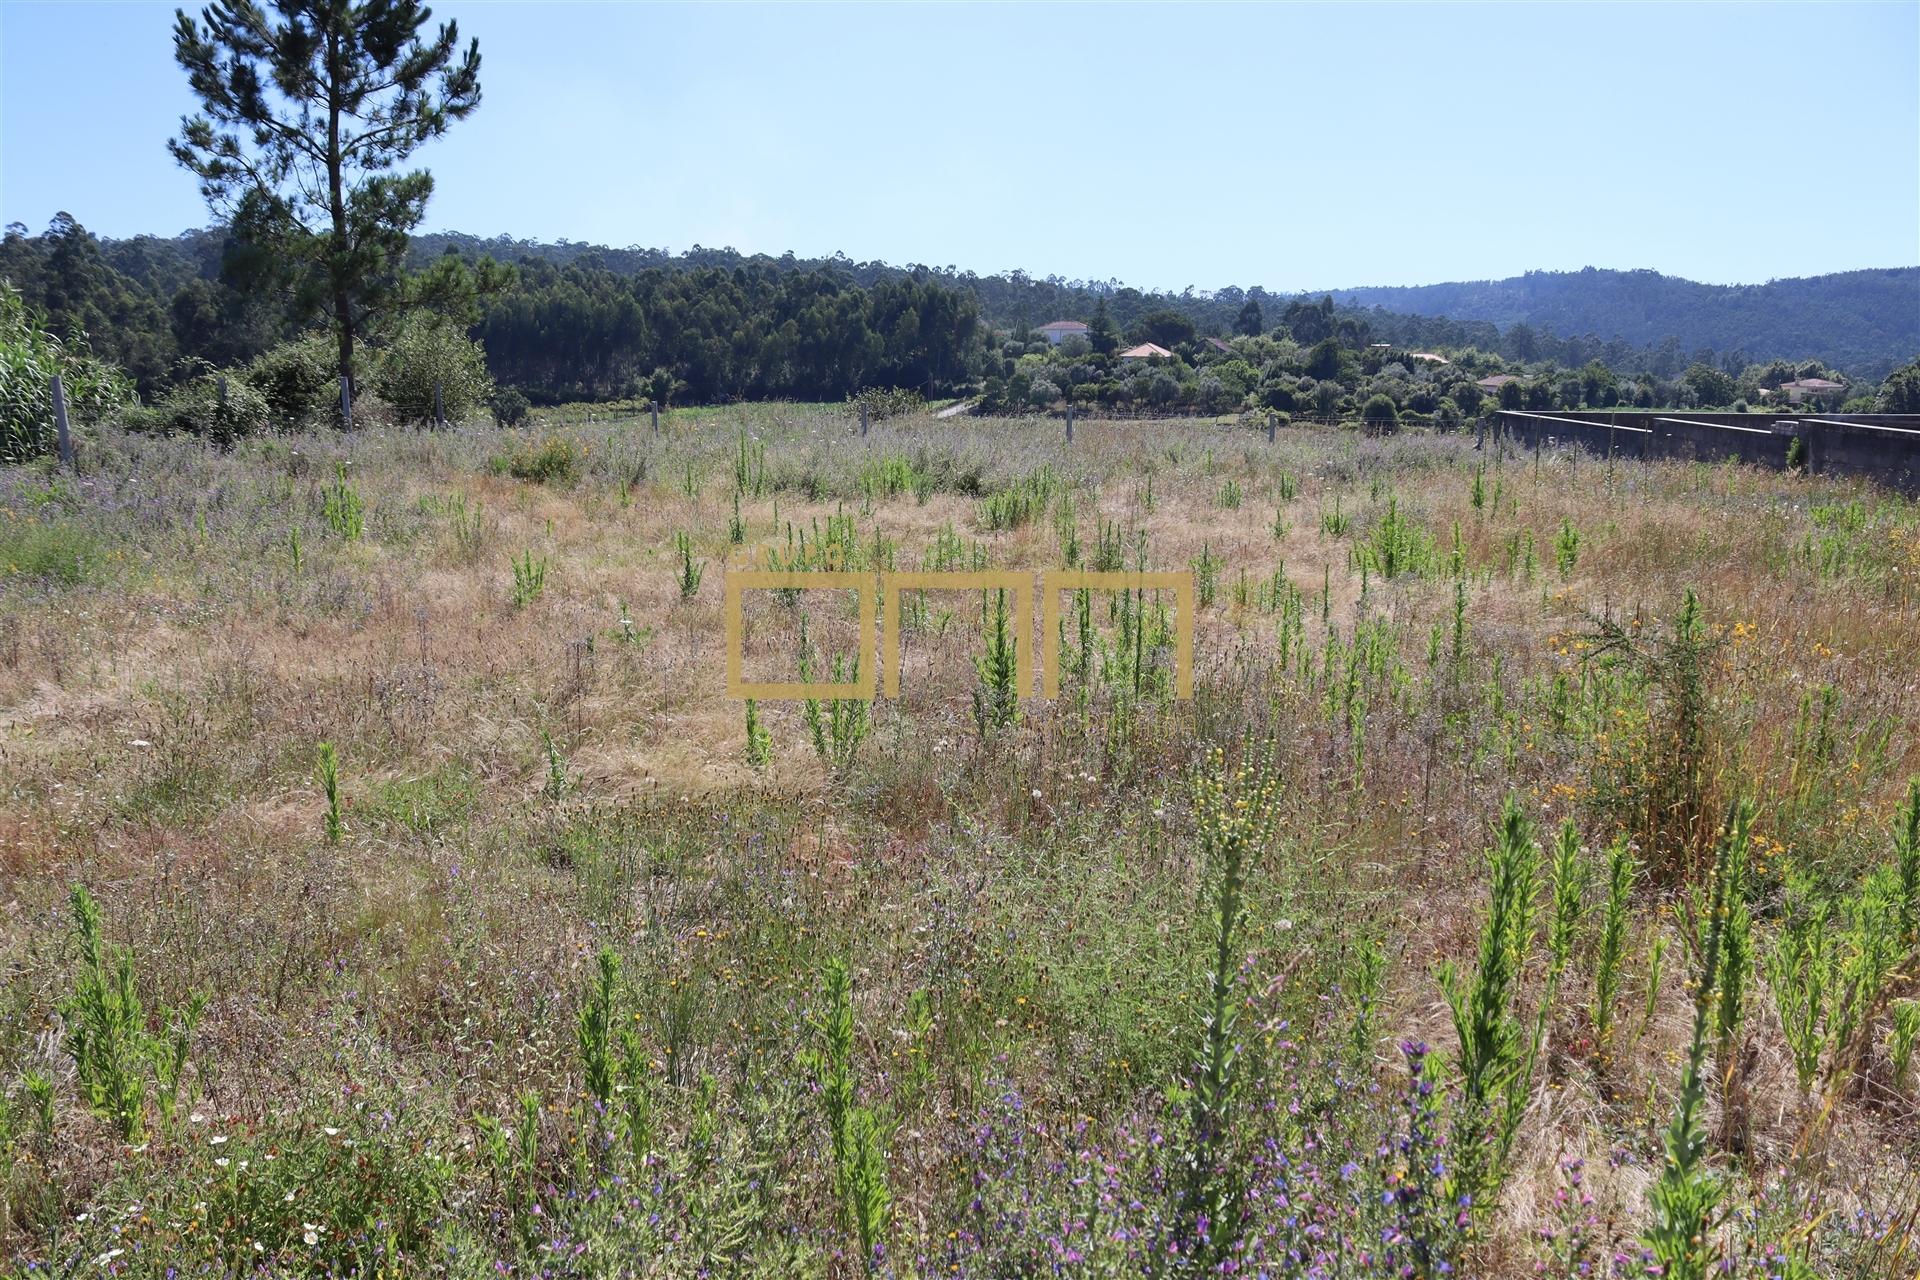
(1429, 356)
(1497, 381)
(1813, 384)
(1218, 345)
(1064, 326)
(1144, 351)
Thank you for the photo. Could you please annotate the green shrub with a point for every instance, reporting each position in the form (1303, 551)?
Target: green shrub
(108, 1033)
(886, 402)
(509, 407)
(1380, 411)
(59, 554)
(428, 353)
(197, 406)
(552, 460)
(299, 380)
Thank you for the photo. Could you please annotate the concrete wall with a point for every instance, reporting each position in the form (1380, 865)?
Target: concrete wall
(1882, 447)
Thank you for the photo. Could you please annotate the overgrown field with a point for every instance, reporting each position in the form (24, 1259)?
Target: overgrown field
(1531, 885)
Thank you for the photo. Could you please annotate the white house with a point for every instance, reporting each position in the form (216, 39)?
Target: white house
(1812, 389)
(1060, 330)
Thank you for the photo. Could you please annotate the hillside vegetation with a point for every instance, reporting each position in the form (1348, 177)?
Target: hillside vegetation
(1862, 321)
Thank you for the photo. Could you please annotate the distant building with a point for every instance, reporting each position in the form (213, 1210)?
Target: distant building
(1060, 330)
(1146, 351)
(1218, 345)
(1492, 385)
(1429, 357)
(1811, 389)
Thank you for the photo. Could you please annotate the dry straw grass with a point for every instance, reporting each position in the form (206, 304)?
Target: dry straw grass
(1034, 899)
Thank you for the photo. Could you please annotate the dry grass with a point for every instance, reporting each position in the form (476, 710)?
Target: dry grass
(1039, 890)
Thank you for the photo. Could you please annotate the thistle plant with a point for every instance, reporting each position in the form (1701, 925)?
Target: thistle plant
(529, 578)
(594, 1030)
(1234, 813)
(1335, 523)
(1491, 1045)
(736, 527)
(1566, 548)
(839, 729)
(1287, 486)
(1800, 972)
(1736, 943)
(1613, 942)
(1569, 885)
(107, 1032)
(759, 741)
(1656, 975)
(1206, 570)
(691, 571)
(1686, 1197)
(342, 507)
(328, 770)
(558, 780)
(1905, 1017)
(1477, 492)
(857, 1134)
(996, 702)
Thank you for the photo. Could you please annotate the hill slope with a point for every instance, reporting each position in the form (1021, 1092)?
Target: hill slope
(1867, 321)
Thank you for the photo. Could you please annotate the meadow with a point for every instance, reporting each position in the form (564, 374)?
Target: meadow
(1531, 885)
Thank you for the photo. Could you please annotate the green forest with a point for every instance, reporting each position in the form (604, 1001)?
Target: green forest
(568, 323)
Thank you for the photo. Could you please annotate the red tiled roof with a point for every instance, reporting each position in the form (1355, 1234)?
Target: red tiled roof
(1144, 350)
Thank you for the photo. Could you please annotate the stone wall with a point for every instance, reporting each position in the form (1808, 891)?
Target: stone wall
(1882, 447)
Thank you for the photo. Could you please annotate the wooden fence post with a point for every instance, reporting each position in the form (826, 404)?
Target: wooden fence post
(439, 409)
(863, 420)
(1069, 424)
(60, 422)
(346, 403)
(1273, 427)
(653, 408)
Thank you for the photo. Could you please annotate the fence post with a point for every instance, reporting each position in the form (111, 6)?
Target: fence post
(653, 408)
(1069, 424)
(1273, 427)
(439, 409)
(60, 422)
(346, 403)
(863, 420)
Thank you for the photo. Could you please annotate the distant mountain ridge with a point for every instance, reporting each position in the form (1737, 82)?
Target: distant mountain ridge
(1867, 321)
(1863, 322)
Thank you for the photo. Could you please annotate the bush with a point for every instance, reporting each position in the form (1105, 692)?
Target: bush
(300, 380)
(886, 402)
(29, 357)
(57, 554)
(196, 407)
(429, 352)
(554, 460)
(1380, 411)
(509, 407)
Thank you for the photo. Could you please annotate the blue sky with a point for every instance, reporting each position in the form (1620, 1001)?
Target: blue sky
(1292, 146)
